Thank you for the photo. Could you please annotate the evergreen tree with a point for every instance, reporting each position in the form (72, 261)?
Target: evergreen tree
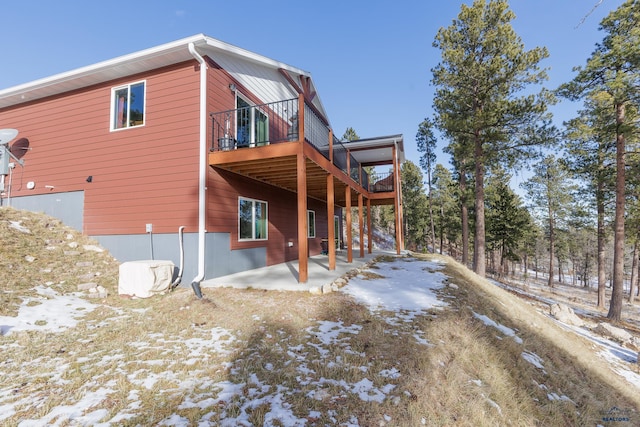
(426, 142)
(551, 195)
(614, 68)
(350, 135)
(414, 205)
(446, 204)
(479, 85)
(507, 220)
(590, 151)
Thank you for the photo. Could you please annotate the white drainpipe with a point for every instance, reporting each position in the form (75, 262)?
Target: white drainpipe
(202, 190)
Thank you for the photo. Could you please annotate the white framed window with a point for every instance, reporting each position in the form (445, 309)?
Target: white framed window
(252, 219)
(128, 105)
(311, 224)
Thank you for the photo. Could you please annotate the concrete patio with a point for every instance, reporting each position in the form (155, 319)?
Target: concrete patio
(284, 277)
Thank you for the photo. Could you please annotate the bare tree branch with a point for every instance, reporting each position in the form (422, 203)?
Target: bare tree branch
(590, 12)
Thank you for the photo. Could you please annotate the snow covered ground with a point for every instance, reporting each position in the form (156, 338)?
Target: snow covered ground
(408, 287)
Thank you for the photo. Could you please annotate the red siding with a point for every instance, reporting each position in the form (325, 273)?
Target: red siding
(148, 174)
(140, 175)
(222, 211)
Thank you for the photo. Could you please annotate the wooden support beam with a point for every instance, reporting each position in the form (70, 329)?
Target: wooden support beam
(361, 224)
(303, 242)
(369, 229)
(398, 216)
(347, 195)
(331, 235)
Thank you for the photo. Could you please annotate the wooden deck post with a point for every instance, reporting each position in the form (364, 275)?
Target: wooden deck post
(303, 241)
(369, 230)
(396, 202)
(331, 235)
(347, 195)
(361, 224)
(301, 161)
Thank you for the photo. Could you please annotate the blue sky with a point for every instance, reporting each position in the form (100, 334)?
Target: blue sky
(370, 60)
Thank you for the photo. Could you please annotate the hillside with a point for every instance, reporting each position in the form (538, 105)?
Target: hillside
(416, 340)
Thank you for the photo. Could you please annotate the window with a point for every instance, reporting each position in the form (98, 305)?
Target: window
(311, 224)
(252, 124)
(252, 219)
(127, 106)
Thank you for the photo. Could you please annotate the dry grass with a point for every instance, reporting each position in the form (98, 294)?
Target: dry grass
(173, 355)
(47, 253)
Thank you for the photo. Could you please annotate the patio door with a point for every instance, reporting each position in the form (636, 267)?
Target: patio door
(252, 124)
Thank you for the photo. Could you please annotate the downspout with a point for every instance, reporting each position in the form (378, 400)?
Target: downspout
(202, 187)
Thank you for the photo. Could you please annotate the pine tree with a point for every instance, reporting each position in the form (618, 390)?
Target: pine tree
(590, 150)
(426, 142)
(551, 195)
(507, 220)
(479, 85)
(414, 206)
(614, 68)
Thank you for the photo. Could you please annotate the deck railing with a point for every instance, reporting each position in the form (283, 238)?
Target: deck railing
(381, 183)
(276, 122)
(255, 125)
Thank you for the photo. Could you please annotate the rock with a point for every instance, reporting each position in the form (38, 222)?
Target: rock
(453, 286)
(610, 331)
(315, 290)
(87, 286)
(563, 313)
(340, 281)
(69, 236)
(326, 289)
(72, 245)
(92, 248)
(29, 258)
(16, 225)
(71, 253)
(84, 264)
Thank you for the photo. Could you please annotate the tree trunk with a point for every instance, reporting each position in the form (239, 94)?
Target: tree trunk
(602, 273)
(479, 261)
(634, 275)
(615, 308)
(464, 214)
(560, 277)
(551, 248)
(442, 230)
(433, 228)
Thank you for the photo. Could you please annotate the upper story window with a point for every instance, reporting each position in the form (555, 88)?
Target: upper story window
(127, 105)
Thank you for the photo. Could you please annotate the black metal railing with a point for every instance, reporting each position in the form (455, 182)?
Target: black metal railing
(275, 122)
(255, 125)
(381, 183)
(316, 132)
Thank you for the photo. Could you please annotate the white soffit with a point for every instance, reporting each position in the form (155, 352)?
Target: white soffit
(376, 150)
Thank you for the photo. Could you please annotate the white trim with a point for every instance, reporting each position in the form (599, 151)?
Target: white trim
(112, 117)
(253, 219)
(309, 236)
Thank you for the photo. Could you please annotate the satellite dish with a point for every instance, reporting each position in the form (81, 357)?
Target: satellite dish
(7, 135)
(19, 148)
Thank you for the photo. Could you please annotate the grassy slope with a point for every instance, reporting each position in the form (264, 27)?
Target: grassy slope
(469, 374)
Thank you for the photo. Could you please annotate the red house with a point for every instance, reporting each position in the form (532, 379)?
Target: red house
(233, 146)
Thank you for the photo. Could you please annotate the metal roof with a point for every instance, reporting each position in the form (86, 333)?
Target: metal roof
(146, 60)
